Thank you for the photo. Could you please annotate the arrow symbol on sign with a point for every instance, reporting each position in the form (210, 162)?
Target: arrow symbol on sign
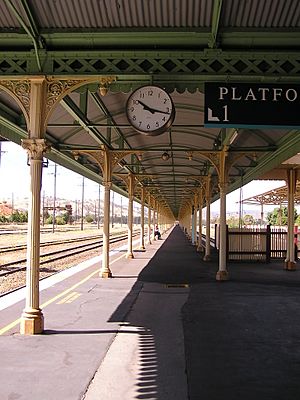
(210, 116)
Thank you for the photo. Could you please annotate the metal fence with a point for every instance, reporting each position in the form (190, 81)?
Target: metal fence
(257, 244)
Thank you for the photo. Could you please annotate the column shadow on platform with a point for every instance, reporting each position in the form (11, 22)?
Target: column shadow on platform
(177, 261)
(241, 337)
(157, 307)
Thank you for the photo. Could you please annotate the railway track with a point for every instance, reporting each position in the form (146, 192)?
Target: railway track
(9, 249)
(56, 255)
(19, 230)
(52, 256)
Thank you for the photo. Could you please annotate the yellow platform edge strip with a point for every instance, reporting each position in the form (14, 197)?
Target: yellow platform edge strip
(50, 301)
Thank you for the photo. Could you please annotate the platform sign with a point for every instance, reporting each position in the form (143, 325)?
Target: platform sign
(252, 105)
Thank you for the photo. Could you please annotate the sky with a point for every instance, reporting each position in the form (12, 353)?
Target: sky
(14, 178)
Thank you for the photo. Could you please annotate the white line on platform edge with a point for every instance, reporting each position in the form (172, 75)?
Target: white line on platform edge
(18, 295)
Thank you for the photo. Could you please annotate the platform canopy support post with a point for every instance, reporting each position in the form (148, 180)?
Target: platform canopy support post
(158, 222)
(222, 273)
(290, 263)
(154, 219)
(105, 271)
(130, 187)
(149, 219)
(187, 221)
(200, 205)
(142, 233)
(195, 242)
(32, 320)
(190, 213)
(207, 231)
(194, 213)
(223, 167)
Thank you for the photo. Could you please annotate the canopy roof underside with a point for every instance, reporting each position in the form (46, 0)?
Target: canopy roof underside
(176, 44)
(278, 196)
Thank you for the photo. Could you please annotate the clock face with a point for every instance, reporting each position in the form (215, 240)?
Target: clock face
(150, 110)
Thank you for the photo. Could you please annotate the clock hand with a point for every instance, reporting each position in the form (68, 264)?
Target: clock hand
(146, 107)
(152, 110)
(159, 111)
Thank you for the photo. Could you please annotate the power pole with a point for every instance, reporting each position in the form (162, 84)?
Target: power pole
(43, 207)
(99, 206)
(112, 209)
(76, 211)
(54, 198)
(12, 203)
(82, 204)
(121, 211)
(1, 151)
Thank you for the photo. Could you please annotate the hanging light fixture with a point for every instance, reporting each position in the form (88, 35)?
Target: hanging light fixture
(189, 155)
(165, 156)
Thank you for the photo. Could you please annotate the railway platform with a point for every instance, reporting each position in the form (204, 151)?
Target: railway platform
(161, 329)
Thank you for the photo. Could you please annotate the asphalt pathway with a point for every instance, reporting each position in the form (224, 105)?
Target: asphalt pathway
(241, 337)
(163, 329)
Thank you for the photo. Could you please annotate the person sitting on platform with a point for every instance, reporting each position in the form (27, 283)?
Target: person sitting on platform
(156, 232)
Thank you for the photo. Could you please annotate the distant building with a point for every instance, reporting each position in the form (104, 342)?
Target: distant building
(5, 209)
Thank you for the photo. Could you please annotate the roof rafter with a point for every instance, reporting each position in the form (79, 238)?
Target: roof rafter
(75, 111)
(217, 8)
(31, 30)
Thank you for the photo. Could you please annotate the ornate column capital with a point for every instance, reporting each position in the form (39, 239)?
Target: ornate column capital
(36, 148)
(223, 186)
(57, 88)
(107, 185)
(20, 91)
(207, 194)
(131, 183)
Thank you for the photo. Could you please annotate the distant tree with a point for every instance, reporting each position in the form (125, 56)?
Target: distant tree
(279, 216)
(65, 217)
(19, 216)
(215, 220)
(24, 216)
(49, 220)
(46, 214)
(232, 222)
(248, 219)
(89, 218)
(60, 220)
(3, 219)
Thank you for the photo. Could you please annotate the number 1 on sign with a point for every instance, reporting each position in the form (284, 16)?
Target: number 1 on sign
(225, 114)
(212, 118)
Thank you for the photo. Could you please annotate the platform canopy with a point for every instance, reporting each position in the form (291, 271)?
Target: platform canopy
(278, 196)
(112, 47)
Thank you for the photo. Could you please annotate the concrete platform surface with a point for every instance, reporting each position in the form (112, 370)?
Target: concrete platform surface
(146, 359)
(161, 329)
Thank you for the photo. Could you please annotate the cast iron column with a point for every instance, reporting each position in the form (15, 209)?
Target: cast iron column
(149, 222)
(130, 215)
(222, 274)
(207, 233)
(290, 263)
(32, 321)
(142, 241)
(200, 204)
(105, 271)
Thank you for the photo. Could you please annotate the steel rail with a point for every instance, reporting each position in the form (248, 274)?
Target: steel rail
(58, 254)
(8, 249)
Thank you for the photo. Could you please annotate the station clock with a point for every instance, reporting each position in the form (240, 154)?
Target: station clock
(150, 110)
